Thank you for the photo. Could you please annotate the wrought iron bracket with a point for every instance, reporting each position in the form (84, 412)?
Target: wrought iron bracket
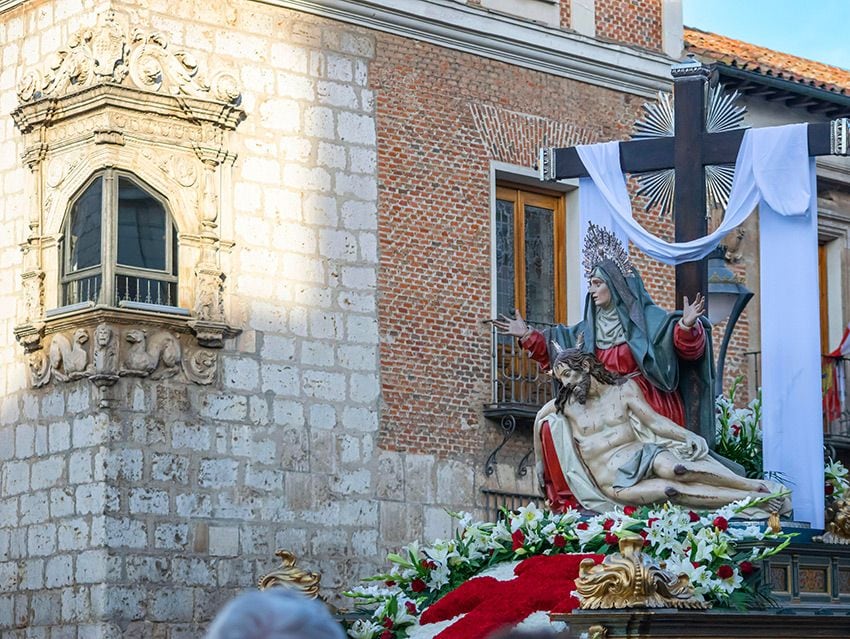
(508, 425)
(522, 469)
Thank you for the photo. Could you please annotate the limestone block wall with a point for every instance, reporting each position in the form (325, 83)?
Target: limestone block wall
(328, 428)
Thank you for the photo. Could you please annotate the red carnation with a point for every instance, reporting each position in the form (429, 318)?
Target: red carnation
(389, 583)
(518, 539)
(427, 563)
(582, 525)
(645, 543)
(651, 521)
(828, 489)
(411, 607)
(746, 568)
(628, 511)
(611, 538)
(720, 523)
(560, 541)
(417, 585)
(386, 634)
(693, 516)
(695, 564)
(608, 525)
(725, 571)
(388, 622)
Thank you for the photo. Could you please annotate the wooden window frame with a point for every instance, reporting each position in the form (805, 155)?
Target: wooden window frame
(520, 195)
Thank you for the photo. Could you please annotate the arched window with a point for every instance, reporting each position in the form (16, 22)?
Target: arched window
(119, 245)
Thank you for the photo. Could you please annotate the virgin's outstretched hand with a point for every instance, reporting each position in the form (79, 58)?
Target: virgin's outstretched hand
(691, 312)
(515, 327)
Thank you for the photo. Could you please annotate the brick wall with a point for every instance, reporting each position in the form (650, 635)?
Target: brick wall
(565, 13)
(442, 116)
(636, 22)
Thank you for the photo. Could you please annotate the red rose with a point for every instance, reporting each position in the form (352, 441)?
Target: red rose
(389, 584)
(386, 634)
(417, 585)
(411, 607)
(645, 543)
(518, 539)
(643, 534)
(628, 511)
(720, 523)
(560, 541)
(651, 521)
(608, 525)
(828, 489)
(428, 564)
(725, 571)
(611, 538)
(693, 516)
(746, 568)
(582, 525)
(387, 623)
(695, 564)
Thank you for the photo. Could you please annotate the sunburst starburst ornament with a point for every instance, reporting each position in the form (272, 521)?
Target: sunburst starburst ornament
(722, 114)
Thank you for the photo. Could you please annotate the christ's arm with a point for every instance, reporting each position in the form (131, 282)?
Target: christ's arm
(660, 425)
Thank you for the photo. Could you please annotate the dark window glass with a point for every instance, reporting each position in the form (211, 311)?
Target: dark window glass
(505, 302)
(141, 228)
(84, 234)
(174, 250)
(539, 264)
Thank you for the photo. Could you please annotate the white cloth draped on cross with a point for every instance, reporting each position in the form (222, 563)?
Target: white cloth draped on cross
(774, 173)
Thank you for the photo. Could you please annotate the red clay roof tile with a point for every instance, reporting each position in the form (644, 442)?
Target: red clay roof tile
(751, 57)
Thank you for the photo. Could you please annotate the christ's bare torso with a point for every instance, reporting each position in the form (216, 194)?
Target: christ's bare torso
(603, 434)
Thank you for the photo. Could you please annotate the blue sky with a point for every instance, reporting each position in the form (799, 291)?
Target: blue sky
(812, 29)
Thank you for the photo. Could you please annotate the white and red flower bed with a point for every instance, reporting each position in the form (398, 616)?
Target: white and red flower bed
(515, 572)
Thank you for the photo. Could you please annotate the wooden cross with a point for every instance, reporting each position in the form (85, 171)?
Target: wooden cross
(688, 152)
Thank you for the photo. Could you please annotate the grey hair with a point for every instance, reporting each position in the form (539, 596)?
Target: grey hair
(275, 613)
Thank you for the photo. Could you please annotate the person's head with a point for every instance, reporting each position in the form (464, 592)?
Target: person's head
(598, 289)
(274, 613)
(574, 369)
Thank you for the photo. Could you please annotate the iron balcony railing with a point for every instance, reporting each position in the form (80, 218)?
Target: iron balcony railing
(127, 288)
(518, 384)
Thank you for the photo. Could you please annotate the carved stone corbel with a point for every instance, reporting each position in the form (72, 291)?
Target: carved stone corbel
(208, 324)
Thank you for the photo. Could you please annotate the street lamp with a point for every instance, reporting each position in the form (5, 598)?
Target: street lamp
(727, 298)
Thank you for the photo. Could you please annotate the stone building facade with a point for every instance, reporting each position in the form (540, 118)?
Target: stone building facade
(315, 375)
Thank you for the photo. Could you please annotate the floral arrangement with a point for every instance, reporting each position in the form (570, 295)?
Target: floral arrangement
(739, 436)
(837, 484)
(704, 546)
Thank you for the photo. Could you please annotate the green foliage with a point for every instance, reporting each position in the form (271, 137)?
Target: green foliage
(739, 435)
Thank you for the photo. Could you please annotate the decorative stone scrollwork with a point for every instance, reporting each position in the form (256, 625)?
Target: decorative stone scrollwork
(70, 360)
(104, 54)
(157, 358)
(631, 579)
(120, 96)
(105, 353)
(201, 366)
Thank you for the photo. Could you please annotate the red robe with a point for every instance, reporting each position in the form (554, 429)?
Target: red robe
(689, 345)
